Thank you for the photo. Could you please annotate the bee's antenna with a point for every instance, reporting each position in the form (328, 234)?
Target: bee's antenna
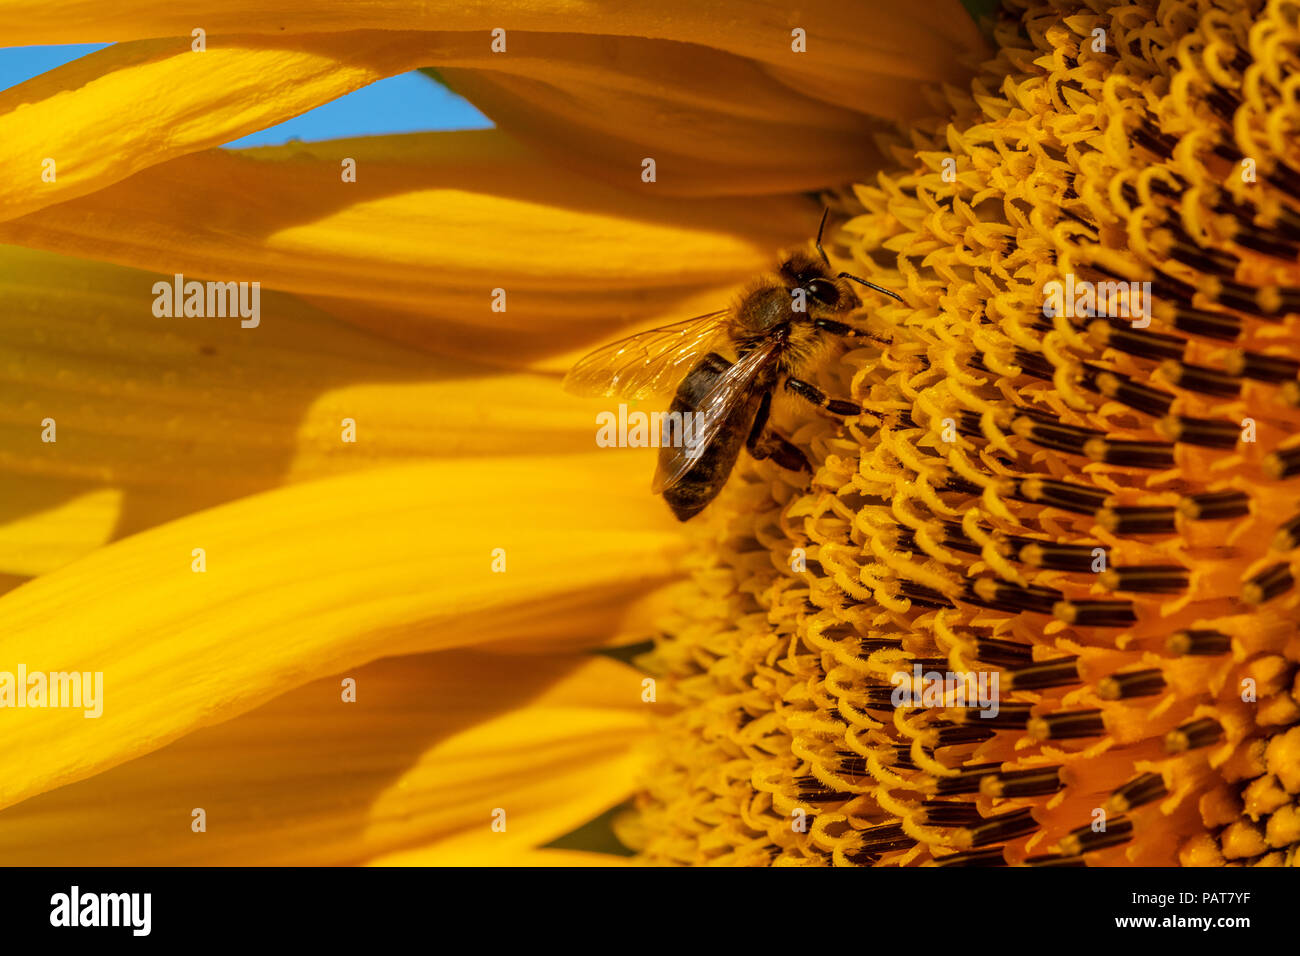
(844, 275)
(822, 252)
(871, 285)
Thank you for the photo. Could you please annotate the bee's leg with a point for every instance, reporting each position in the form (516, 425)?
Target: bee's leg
(847, 331)
(815, 396)
(760, 421)
(771, 445)
(765, 443)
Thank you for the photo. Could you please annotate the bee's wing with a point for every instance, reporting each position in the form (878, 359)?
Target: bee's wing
(729, 392)
(647, 363)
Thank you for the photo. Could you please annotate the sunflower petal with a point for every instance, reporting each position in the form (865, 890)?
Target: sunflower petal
(99, 119)
(850, 47)
(472, 853)
(714, 123)
(304, 581)
(54, 533)
(415, 767)
(434, 222)
(539, 339)
(157, 418)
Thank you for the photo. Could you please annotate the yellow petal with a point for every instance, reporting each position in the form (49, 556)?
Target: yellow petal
(431, 747)
(851, 47)
(307, 580)
(472, 853)
(99, 119)
(537, 339)
(713, 123)
(38, 535)
(624, 621)
(156, 418)
(10, 581)
(434, 222)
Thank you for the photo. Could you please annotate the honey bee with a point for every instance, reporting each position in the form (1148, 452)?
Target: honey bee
(776, 329)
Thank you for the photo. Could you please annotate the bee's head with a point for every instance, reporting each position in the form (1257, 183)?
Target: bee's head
(810, 279)
(791, 302)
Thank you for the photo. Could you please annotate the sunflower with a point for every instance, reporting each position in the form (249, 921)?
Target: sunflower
(342, 572)
(1094, 504)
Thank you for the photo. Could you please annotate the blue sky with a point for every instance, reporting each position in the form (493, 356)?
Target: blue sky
(400, 104)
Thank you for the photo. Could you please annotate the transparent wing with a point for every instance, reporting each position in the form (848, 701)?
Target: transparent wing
(647, 363)
(732, 389)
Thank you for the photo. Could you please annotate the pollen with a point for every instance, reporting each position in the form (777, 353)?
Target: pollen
(1092, 501)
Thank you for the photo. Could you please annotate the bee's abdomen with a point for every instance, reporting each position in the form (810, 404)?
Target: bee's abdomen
(705, 479)
(698, 381)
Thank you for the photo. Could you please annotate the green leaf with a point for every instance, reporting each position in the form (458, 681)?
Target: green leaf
(597, 836)
(979, 9)
(434, 75)
(984, 13)
(627, 653)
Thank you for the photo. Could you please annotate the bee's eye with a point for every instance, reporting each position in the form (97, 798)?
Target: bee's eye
(824, 292)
